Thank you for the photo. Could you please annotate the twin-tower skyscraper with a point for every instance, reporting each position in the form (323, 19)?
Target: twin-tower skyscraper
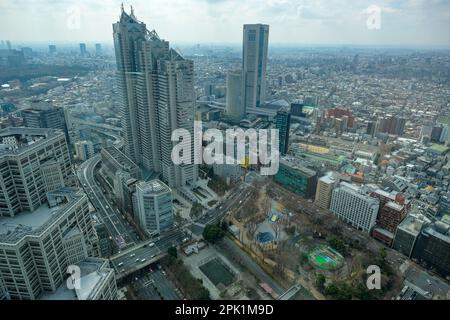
(156, 92)
(157, 95)
(246, 88)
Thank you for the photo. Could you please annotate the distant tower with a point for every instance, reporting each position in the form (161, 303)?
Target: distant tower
(256, 42)
(98, 49)
(83, 49)
(235, 106)
(156, 86)
(52, 49)
(282, 122)
(8, 44)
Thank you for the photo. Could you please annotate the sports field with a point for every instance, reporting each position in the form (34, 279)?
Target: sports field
(217, 272)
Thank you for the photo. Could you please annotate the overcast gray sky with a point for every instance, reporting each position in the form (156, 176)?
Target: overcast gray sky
(402, 22)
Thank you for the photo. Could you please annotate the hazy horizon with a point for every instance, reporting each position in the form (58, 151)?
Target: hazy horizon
(297, 22)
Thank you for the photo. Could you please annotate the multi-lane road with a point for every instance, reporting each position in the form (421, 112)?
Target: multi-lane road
(235, 198)
(147, 252)
(119, 229)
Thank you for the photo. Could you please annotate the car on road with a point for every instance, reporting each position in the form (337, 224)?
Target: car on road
(137, 260)
(132, 255)
(151, 244)
(143, 260)
(120, 264)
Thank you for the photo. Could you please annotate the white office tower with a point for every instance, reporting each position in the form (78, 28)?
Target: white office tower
(153, 205)
(33, 161)
(235, 106)
(37, 247)
(156, 88)
(256, 42)
(351, 205)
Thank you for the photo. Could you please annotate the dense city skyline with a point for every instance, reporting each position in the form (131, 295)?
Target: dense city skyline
(149, 170)
(401, 23)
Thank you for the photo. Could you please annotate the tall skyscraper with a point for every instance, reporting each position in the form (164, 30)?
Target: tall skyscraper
(156, 86)
(256, 42)
(282, 123)
(235, 107)
(154, 206)
(98, 49)
(52, 49)
(83, 49)
(45, 226)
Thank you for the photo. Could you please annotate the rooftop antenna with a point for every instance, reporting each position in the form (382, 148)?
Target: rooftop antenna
(132, 12)
(121, 7)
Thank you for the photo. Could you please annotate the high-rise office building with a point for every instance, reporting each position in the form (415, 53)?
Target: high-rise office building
(255, 51)
(407, 233)
(32, 163)
(84, 150)
(209, 89)
(325, 186)
(42, 114)
(433, 247)
(98, 49)
(391, 124)
(11, 58)
(297, 109)
(296, 178)
(156, 86)
(37, 247)
(235, 107)
(52, 49)
(83, 49)
(371, 128)
(283, 124)
(350, 204)
(153, 206)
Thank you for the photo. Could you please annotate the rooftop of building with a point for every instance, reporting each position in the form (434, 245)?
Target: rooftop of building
(14, 228)
(154, 186)
(93, 272)
(328, 179)
(439, 148)
(25, 138)
(440, 230)
(395, 206)
(294, 163)
(39, 105)
(428, 286)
